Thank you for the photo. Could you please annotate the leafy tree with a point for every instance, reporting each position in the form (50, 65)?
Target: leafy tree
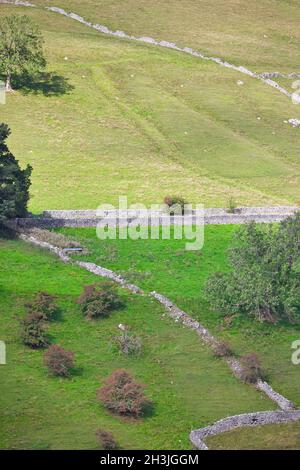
(14, 182)
(21, 47)
(264, 279)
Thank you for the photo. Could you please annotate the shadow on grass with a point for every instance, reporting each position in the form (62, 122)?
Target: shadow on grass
(45, 83)
(149, 410)
(57, 316)
(6, 233)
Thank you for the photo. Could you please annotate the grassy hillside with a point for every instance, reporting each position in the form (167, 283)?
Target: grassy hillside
(262, 34)
(189, 387)
(126, 118)
(270, 437)
(165, 266)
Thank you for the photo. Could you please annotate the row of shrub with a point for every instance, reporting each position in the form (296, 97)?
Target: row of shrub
(251, 370)
(121, 393)
(177, 205)
(38, 313)
(96, 301)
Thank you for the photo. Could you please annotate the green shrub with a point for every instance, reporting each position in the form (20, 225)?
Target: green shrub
(33, 331)
(231, 206)
(98, 300)
(14, 182)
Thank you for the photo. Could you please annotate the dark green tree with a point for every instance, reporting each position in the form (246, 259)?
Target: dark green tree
(264, 275)
(14, 182)
(21, 47)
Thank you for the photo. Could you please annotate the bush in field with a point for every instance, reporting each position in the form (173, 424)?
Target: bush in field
(33, 331)
(222, 349)
(129, 344)
(251, 368)
(123, 395)
(176, 204)
(59, 361)
(264, 279)
(98, 300)
(43, 305)
(106, 440)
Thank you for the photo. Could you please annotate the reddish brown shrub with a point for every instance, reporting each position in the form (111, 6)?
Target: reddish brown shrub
(177, 203)
(59, 361)
(98, 300)
(44, 305)
(251, 368)
(106, 440)
(123, 395)
(222, 349)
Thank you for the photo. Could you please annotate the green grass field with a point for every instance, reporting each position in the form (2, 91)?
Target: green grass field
(263, 35)
(165, 266)
(269, 437)
(114, 117)
(124, 118)
(189, 387)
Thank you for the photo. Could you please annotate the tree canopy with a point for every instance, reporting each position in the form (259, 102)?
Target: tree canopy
(14, 182)
(21, 47)
(264, 275)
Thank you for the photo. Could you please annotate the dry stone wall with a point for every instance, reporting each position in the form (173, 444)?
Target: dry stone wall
(287, 413)
(265, 78)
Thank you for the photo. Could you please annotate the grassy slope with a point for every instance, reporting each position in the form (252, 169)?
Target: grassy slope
(188, 386)
(166, 267)
(270, 437)
(146, 122)
(262, 34)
